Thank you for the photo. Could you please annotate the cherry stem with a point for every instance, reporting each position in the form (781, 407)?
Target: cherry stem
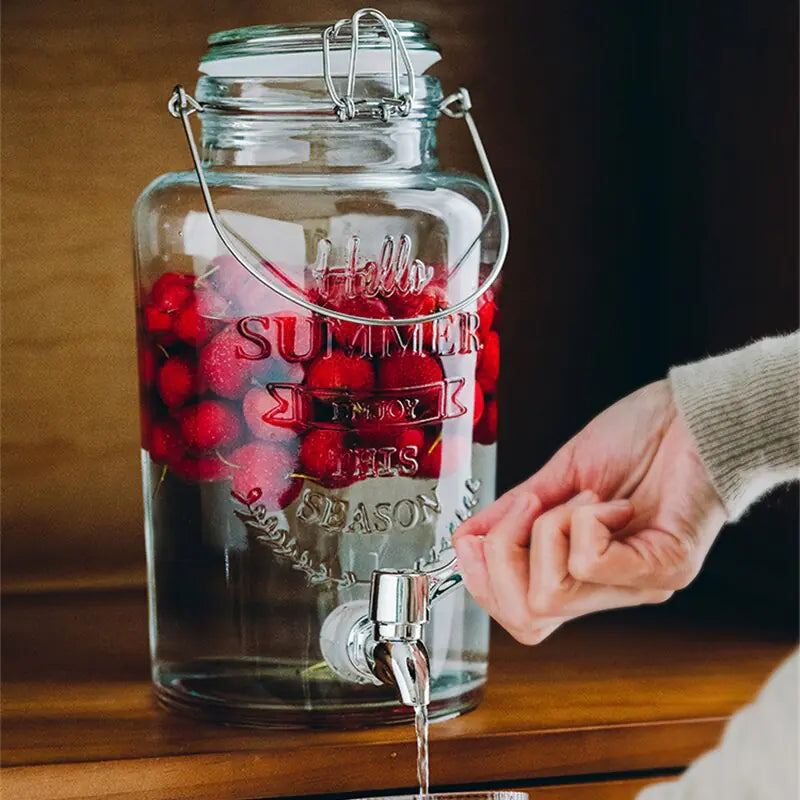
(436, 442)
(304, 477)
(160, 480)
(225, 460)
(208, 272)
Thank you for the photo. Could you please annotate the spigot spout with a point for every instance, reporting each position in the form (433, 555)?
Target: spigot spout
(382, 642)
(404, 665)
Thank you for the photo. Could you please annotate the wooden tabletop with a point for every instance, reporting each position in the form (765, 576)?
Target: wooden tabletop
(632, 691)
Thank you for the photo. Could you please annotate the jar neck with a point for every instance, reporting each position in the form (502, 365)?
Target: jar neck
(288, 125)
(296, 145)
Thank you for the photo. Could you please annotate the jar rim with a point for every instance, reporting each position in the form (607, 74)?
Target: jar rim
(257, 40)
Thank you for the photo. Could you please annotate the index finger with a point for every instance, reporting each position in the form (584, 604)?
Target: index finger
(481, 523)
(553, 484)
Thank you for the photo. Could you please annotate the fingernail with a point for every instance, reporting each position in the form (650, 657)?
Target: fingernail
(468, 552)
(620, 503)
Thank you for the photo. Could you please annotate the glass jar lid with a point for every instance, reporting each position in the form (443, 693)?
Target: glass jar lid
(296, 50)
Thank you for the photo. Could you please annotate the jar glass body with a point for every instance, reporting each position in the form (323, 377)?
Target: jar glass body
(286, 455)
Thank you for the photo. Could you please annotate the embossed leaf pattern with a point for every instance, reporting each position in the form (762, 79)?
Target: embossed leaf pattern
(267, 531)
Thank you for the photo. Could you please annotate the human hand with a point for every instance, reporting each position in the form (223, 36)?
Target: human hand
(623, 514)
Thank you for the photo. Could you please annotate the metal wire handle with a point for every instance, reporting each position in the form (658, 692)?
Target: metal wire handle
(456, 106)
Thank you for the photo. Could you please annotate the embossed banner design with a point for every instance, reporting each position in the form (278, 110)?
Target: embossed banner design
(342, 410)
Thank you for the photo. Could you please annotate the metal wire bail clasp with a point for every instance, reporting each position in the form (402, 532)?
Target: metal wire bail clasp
(180, 102)
(346, 105)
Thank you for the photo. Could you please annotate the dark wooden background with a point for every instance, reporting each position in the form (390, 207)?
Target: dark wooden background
(648, 156)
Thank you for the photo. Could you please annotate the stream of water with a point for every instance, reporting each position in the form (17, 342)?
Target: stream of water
(421, 727)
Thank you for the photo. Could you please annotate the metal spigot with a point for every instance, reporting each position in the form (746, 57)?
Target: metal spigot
(381, 642)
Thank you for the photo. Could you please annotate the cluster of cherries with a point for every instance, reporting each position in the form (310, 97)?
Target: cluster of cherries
(206, 411)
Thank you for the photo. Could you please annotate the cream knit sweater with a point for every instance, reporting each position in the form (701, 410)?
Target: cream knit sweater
(743, 410)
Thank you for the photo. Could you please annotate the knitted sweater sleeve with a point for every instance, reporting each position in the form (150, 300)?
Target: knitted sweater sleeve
(743, 409)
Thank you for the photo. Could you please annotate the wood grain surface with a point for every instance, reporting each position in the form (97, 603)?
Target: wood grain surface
(593, 790)
(648, 156)
(611, 694)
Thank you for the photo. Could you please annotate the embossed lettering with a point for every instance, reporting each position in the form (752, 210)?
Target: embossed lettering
(335, 515)
(429, 504)
(394, 272)
(357, 338)
(442, 336)
(407, 510)
(383, 519)
(408, 460)
(374, 409)
(469, 342)
(360, 523)
(294, 333)
(341, 409)
(392, 338)
(311, 506)
(299, 339)
(245, 327)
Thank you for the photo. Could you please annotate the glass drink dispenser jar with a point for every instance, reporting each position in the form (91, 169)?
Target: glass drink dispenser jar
(317, 310)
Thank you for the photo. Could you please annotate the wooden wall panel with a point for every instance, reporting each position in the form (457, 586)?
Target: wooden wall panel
(648, 156)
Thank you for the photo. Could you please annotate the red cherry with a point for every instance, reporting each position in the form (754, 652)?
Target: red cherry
(202, 468)
(256, 404)
(156, 321)
(489, 363)
(324, 456)
(223, 364)
(192, 327)
(431, 299)
(264, 470)
(486, 429)
(172, 291)
(346, 334)
(479, 405)
(486, 311)
(148, 365)
(404, 370)
(177, 381)
(384, 436)
(411, 437)
(340, 371)
(166, 444)
(210, 424)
